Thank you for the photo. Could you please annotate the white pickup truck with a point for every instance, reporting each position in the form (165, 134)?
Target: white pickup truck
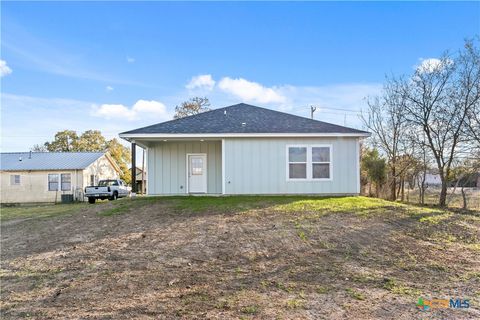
(107, 189)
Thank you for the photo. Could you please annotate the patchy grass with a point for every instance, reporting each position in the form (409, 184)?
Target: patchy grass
(355, 294)
(295, 303)
(250, 309)
(436, 217)
(40, 211)
(395, 287)
(322, 289)
(236, 258)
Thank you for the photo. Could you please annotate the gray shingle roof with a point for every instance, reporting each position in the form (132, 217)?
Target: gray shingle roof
(243, 118)
(10, 161)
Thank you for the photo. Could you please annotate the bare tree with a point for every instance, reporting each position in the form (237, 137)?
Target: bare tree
(193, 106)
(466, 92)
(439, 98)
(385, 118)
(465, 174)
(422, 166)
(39, 148)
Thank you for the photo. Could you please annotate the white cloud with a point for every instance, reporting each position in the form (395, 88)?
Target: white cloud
(250, 91)
(111, 111)
(154, 109)
(432, 64)
(109, 88)
(4, 69)
(203, 81)
(130, 59)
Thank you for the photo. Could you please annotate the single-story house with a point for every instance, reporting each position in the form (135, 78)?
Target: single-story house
(244, 149)
(29, 177)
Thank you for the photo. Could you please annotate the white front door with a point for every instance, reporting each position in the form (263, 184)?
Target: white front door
(197, 173)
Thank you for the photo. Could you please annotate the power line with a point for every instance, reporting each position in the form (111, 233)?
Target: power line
(318, 108)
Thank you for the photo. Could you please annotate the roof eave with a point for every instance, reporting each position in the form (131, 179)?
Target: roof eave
(133, 136)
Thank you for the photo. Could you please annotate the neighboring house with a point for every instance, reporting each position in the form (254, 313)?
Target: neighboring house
(433, 179)
(243, 149)
(140, 180)
(45, 176)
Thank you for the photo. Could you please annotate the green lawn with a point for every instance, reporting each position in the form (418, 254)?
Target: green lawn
(286, 204)
(40, 211)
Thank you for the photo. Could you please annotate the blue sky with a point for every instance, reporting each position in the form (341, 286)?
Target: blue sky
(118, 66)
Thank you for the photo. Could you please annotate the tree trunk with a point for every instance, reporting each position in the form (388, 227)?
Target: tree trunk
(464, 197)
(399, 188)
(443, 194)
(403, 189)
(393, 189)
(421, 189)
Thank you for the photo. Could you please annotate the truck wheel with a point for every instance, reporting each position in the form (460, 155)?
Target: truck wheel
(91, 200)
(114, 196)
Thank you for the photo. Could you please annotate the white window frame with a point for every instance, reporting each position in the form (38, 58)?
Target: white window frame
(12, 180)
(329, 146)
(288, 162)
(309, 162)
(61, 183)
(58, 181)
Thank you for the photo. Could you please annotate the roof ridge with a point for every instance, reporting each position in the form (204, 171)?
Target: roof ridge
(273, 121)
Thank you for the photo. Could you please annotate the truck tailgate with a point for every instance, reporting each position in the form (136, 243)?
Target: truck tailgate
(96, 190)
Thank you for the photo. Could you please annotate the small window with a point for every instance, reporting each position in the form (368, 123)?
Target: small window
(197, 166)
(15, 180)
(297, 162)
(53, 182)
(321, 162)
(66, 180)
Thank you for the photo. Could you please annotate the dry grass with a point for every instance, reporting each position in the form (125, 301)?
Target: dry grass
(239, 258)
(455, 200)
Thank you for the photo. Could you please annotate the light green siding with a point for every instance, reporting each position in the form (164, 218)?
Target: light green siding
(259, 166)
(167, 164)
(252, 166)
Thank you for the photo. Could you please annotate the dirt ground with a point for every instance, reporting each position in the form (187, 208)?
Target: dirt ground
(170, 258)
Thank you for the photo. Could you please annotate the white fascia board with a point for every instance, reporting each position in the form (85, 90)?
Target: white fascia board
(236, 135)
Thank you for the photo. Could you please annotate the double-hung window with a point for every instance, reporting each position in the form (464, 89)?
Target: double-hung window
(310, 162)
(53, 182)
(297, 162)
(15, 180)
(66, 181)
(321, 162)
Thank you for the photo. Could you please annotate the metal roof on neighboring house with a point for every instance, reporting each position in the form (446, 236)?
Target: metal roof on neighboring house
(243, 118)
(19, 161)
